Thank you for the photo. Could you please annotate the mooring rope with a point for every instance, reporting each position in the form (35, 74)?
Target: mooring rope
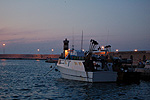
(50, 71)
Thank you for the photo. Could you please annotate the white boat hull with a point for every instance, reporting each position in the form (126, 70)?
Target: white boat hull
(97, 76)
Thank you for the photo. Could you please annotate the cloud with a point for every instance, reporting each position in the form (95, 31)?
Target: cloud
(2, 30)
(12, 40)
(6, 31)
(9, 35)
(9, 31)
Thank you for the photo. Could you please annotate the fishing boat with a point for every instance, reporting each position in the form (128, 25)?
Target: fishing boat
(145, 70)
(51, 60)
(91, 66)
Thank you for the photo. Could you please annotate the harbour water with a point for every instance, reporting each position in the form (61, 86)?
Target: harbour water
(27, 79)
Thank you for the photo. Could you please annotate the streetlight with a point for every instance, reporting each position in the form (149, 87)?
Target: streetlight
(52, 51)
(117, 50)
(102, 47)
(135, 50)
(38, 50)
(4, 48)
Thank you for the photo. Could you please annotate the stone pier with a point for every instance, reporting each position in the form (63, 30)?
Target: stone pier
(29, 56)
(135, 55)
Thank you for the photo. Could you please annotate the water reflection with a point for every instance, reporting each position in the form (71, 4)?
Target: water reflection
(24, 79)
(3, 62)
(37, 60)
(85, 90)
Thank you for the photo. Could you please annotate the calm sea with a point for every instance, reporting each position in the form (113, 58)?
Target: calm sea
(27, 79)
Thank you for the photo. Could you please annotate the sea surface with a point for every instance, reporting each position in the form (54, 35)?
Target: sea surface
(29, 79)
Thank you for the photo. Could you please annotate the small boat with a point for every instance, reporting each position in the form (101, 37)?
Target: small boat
(145, 70)
(91, 66)
(52, 60)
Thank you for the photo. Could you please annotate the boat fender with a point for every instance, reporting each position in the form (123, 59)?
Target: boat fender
(51, 66)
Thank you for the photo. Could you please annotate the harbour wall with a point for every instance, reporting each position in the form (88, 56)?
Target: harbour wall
(28, 56)
(135, 55)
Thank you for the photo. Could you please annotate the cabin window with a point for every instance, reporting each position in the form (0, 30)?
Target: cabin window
(80, 63)
(75, 63)
(65, 62)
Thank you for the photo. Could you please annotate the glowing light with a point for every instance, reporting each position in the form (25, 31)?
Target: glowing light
(38, 50)
(135, 50)
(102, 47)
(4, 48)
(66, 53)
(66, 50)
(52, 50)
(82, 49)
(117, 50)
(3, 59)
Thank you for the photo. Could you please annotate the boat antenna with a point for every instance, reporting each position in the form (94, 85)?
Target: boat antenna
(82, 41)
(73, 40)
(107, 37)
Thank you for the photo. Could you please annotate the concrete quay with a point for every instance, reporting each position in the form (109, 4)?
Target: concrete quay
(134, 55)
(29, 56)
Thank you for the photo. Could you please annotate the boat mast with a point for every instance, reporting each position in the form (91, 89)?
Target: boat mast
(82, 41)
(107, 37)
(73, 40)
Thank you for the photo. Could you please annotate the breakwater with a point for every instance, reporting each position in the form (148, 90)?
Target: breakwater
(28, 56)
(134, 55)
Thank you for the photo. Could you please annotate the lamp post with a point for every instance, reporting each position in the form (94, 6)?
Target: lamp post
(38, 50)
(135, 50)
(83, 50)
(4, 48)
(102, 47)
(52, 51)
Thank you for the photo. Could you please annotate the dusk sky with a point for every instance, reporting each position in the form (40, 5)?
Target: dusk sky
(28, 25)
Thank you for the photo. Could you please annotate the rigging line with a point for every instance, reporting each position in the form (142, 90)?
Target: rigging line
(73, 39)
(107, 37)
(82, 41)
